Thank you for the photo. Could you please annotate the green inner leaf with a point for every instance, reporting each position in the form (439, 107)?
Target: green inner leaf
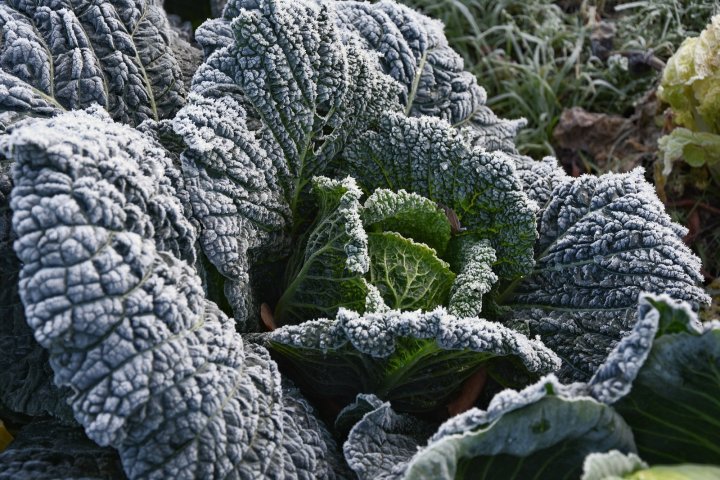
(328, 272)
(418, 377)
(427, 156)
(421, 376)
(409, 214)
(408, 275)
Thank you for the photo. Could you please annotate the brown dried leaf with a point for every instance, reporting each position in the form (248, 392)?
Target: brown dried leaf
(267, 317)
(5, 437)
(469, 393)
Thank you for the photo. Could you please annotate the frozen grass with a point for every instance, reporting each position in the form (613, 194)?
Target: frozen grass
(534, 59)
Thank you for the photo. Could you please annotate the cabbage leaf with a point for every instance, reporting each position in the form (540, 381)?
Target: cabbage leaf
(603, 240)
(427, 156)
(672, 404)
(544, 432)
(58, 56)
(156, 371)
(416, 360)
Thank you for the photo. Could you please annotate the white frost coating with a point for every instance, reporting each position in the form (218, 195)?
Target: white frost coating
(603, 241)
(348, 212)
(380, 444)
(539, 178)
(151, 186)
(669, 397)
(157, 371)
(475, 278)
(234, 193)
(657, 314)
(504, 402)
(412, 49)
(614, 378)
(374, 301)
(18, 96)
(490, 132)
(415, 360)
(26, 380)
(73, 55)
(375, 334)
(330, 272)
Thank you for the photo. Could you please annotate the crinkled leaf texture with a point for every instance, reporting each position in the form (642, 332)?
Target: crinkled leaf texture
(26, 381)
(405, 234)
(18, 99)
(381, 441)
(412, 49)
(355, 411)
(614, 377)
(427, 156)
(157, 371)
(672, 404)
(544, 432)
(327, 271)
(338, 264)
(473, 261)
(539, 178)
(71, 55)
(615, 465)
(603, 240)
(416, 360)
(268, 112)
(45, 450)
(408, 274)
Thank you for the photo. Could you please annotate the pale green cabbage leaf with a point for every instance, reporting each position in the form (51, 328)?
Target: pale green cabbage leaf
(543, 432)
(615, 465)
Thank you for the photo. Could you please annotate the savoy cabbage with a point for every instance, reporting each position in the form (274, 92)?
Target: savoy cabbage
(322, 239)
(282, 99)
(602, 241)
(415, 359)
